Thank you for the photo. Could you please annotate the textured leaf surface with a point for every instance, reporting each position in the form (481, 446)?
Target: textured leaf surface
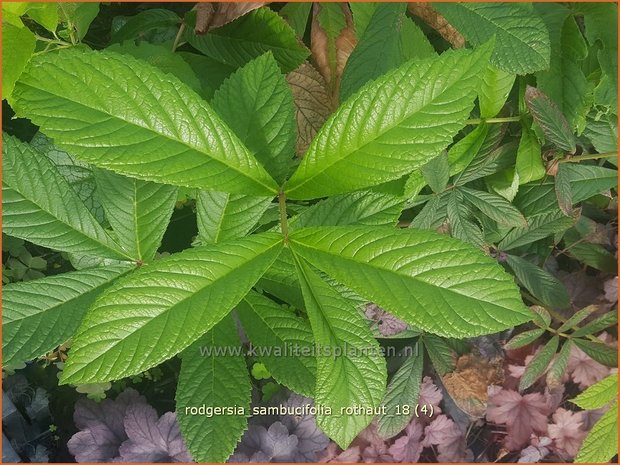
(599, 351)
(397, 127)
(496, 85)
(256, 103)
(404, 389)
(213, 380)
(18, 46)
(39, 315)
(273, 328)
(350, 368)
(424, 278)
(138, 211)
(494, 206)
(145, 21)
(135, 120)
(529, 165)
(550, 119)
(538, 227)
(40, 206)
(539, 363)
(601, 444)
(543, 285)
(598, 395)
(461, 225)
(163, 307)
(522, 40)
(249, 37)
(224, 216)
(524, 338)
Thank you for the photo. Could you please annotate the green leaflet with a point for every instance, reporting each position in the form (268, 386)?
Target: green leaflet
(34, 193)
(78, 16)
(539, 227)
(539, 363)
(138, 211)
(362, 13)
(163, 307)
(463, 152)
(601, 443)
(602, 132)
(598, 395)
(143, 123)
(404, 389)
(524, 338)
(280, 280)
(211, 73)
(37, 316)
(367, 208)
(296, 14)
(143, 22)
(522, 40)
(529, 165)
(598, 324)
(494, 206)
(461, 225)
(214, 380)
(275, 332)
(257, 104)
(390, 120)
(343, 379)
(424, 278)
(564, 82)
(543, 285)
(577, 318)
(440, 353)
(496, 85)
(558, 366)
(224, 216)
(437, 172)
(550, 119)
(599, 351)
(250, 36)
(18, 46)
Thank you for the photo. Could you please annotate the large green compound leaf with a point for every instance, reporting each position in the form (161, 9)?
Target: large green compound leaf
(431, 281)
(38, 205)
(135, 120)
(249, 37)
(160, 309)
(391, 126)
(223, 216)
(351, 370)
(281, 340)
(257, 104)
(138, 211)
(214, 379)
(39, 315)
(522, 41)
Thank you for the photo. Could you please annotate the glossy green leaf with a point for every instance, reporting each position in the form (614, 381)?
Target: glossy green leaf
(539, 364)
(249, 37)
(37, 316)
(598, 395)
(257, 104)
(224, 216)
(34, 193)
(529, 165)
(403, 389)
(17, 47)
(163, 307)
(210, 73)
(138, 211)
(351, 371)
(145, 21)
(539, 227)
(598, 351)
(488, 162)
(281, 340)
(524, 338)
(213, 379)
(550, 119)
(424, 278)
(494, 206)
(541, 284)
(601, 443)
(442, 356)
(494, 90)
(144, 123)
(462, 226)
(393, 119)
(522, 40)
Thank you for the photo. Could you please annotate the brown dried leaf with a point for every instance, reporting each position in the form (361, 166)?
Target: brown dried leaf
(331, 53)
(428, 14)
(312, 104)
(210, 15)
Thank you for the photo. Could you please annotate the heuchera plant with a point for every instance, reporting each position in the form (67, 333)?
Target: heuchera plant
(144, 133)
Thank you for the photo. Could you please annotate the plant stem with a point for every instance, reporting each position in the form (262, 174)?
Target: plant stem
(177, 39)
(588, 156)
(507, 119)
(283, 217)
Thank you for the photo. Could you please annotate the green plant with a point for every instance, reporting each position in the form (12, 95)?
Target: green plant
(138, 132)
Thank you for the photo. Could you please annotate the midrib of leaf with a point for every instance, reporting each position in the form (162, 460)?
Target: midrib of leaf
(415, 278)
(505, 30)
(165, 136)
(300, 267)
(135, 218)
(118, 252)
(327, 163)
(166, 313)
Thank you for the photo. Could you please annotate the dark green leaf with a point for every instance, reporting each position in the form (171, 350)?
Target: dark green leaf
(550, 119)
(539, 363)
